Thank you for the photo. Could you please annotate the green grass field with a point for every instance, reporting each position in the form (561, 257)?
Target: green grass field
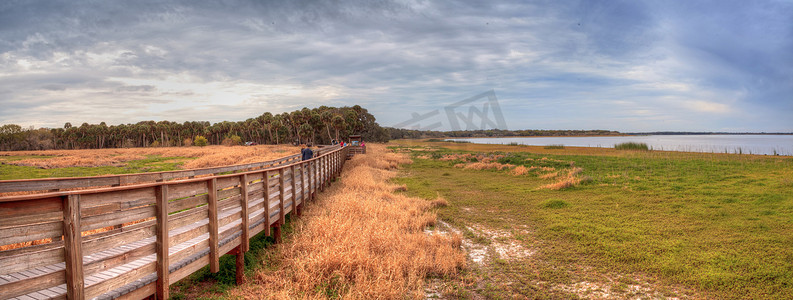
(708, 225)
(152, 163)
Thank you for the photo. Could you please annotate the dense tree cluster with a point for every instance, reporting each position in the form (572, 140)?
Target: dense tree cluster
(399, 133)
(318, 125)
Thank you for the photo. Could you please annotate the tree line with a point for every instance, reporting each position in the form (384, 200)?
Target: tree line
(316, 125)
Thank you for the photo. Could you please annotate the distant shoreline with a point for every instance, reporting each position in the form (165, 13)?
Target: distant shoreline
(607, 135)
(707, 133)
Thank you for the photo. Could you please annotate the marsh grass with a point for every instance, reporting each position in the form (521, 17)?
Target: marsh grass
(556, 146)
(76, 163)
(716, 224)
(146, 164)
(632, 146)
(201, 157)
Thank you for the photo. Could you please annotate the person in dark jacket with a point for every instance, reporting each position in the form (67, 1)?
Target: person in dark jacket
(307, 153)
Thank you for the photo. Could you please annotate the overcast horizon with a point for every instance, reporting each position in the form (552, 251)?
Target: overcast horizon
(630, 66)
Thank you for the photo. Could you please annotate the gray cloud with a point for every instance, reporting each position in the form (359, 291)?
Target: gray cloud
(589, 64)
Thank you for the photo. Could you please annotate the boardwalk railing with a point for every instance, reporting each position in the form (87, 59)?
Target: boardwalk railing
(133, 241)
(53, 184)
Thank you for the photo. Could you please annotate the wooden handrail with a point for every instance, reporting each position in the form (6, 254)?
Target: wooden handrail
(60, 183)
(156, 234)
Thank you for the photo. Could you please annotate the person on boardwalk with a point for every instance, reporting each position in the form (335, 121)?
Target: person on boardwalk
(307, 153)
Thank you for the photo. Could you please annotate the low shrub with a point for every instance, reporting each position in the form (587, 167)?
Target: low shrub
(200, 141)
(233, 140)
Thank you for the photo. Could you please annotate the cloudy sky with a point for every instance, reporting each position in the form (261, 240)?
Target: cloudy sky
(616, 65)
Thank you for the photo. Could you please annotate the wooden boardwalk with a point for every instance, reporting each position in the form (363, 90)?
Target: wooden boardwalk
(156, 233)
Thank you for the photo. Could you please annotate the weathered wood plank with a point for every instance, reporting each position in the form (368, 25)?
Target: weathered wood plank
(186, 189)
(266, 184)
(303, 180)
(244, 212)
(27, 212)
(187, 217)
(229, 217)
(187, 203)
(229, 202)
(230, 245)
(214, 261)
(186, 251)
(225, 182)
(140, 293)
(281, 195)
(73, 247)
(121, 280)
(228, 193)
(32, 284)
(189, 234)
(25, 233)
(118, 217)
(274, 179)
(30, 260)
(119, 258)
(310, 175)
(56, 183)
(190, 268)
(121, 199)
(162, 242)
(293, 187)
(141, 231)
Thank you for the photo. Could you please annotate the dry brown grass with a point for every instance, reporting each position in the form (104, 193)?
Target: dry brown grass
(482, 157)
(210, 156)
(570, 180)
(25, 244)
(520, 170)
(485, 166)
(360, 241)
(85, 159)
(439, 201)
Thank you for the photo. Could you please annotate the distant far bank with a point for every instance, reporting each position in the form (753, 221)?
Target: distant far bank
(401, 133)
(707, 133)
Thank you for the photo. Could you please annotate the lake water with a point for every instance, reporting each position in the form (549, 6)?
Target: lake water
(746, 144)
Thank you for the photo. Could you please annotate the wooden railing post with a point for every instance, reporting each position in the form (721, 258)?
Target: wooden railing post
(342, 158)
(162, 243)
(72, 246)
(303, 194)
(214, 256)
(311, 180)
(266, 203)
(281, 214)
(328, 166)
(239, 264)
(332, 170)
(294, 192)
(244, 245)
(336, 165)
(320, 174)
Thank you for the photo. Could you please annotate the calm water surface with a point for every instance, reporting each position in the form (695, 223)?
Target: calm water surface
(746, 144)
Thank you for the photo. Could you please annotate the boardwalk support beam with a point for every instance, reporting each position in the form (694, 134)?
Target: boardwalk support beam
(73, 253)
